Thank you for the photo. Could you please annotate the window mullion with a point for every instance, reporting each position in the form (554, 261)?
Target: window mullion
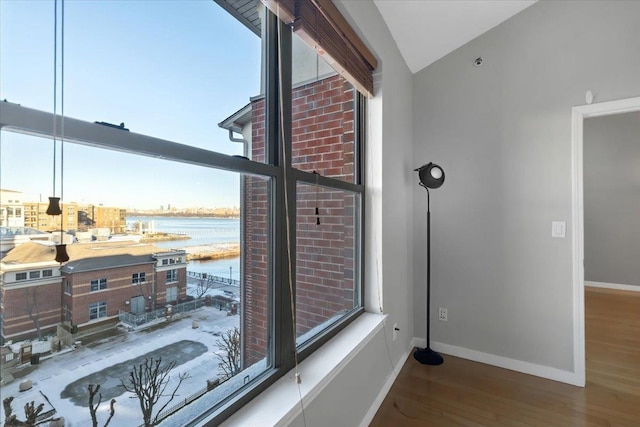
(278, 137)
(285, 332)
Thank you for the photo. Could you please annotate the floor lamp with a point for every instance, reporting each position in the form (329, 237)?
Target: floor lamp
(431, 176)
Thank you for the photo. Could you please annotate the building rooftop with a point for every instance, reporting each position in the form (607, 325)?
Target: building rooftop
(86, 256)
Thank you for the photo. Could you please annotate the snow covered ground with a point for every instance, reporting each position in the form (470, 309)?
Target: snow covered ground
(54, 373)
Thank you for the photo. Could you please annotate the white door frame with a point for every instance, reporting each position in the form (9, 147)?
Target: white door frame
(578, 114)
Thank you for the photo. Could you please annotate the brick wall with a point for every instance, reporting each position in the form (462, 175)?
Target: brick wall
(52, 299)
(119, 289)
(323, 141)
(16, 301)
(162, 285)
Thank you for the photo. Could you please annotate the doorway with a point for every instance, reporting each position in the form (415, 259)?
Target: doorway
(579, 114)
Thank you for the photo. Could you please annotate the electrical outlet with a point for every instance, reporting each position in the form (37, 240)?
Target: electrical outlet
(442, 315)
(395, 331)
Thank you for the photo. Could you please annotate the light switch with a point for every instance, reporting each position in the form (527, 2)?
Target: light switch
(558, 229)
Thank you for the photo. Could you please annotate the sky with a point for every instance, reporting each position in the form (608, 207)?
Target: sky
(169, 69)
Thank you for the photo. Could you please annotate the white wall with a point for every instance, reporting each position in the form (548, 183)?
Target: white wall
(502, 133)
(612, 199)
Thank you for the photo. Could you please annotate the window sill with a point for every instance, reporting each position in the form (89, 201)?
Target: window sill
(280, 403)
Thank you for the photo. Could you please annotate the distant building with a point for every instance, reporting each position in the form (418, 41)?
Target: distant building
(35, 216)
(92, 216)
(87, 292)
(11, 209)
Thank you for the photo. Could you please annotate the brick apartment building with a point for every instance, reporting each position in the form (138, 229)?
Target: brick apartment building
(88, 291)
(35, 216)
(75, 217)
(92, 216)
(323, 141)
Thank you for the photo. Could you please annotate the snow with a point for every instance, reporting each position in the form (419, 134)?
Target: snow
(55, 372)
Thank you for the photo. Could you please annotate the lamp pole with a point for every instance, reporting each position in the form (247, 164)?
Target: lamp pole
(428, 272)
(431, 176)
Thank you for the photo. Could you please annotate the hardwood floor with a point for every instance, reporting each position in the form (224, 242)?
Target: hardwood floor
(465, 393)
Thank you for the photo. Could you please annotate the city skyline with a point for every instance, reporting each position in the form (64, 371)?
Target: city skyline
(163, 207)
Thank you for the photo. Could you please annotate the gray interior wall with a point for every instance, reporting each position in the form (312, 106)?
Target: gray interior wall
(502, 133)
(612, 199)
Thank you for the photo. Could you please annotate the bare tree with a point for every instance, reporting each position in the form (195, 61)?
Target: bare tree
(93, 408)
(229, 344)
(31, 413)
(203, 286)
(32, 308)
(148, 382)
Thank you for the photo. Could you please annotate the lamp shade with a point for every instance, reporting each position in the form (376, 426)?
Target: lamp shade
(431, 175)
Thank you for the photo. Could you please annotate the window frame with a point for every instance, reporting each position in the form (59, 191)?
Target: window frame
(98, 306)
(277, 167)
(174, 276)
(101, 284)
(138, 278)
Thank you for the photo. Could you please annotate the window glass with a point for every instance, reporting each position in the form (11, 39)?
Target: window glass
(172, 275)
(97, 310)
(323, 113)
(327, 267)
(191, 226)
(215, 228)
(98, 284)
(181, 71)
(137, 278)
(34, 275)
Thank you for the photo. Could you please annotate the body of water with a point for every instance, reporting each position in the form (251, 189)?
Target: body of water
(203, 231)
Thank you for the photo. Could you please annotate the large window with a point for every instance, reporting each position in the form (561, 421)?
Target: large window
(219, 150)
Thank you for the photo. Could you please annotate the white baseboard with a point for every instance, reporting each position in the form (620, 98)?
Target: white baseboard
(547, 372)
(368, 417)
(618, 286)
(418, 342)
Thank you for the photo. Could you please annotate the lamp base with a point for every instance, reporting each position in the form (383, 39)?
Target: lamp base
(426, 356)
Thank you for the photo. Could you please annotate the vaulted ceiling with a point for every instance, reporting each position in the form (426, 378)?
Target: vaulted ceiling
(427, 30)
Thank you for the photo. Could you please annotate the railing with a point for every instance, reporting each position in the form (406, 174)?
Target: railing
(134, 320)
(175, 408)
(217, 280)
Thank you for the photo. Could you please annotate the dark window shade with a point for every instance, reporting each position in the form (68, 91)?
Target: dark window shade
(320, 24)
